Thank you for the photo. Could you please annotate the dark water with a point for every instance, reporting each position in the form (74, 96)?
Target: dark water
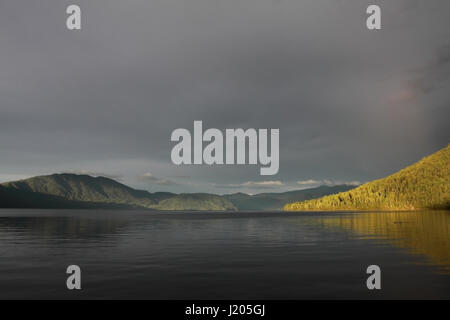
(227, 255)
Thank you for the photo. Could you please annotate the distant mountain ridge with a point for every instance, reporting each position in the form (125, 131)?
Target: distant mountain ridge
(276, 201)
(84, 191)
(77, 190)
(423, 185)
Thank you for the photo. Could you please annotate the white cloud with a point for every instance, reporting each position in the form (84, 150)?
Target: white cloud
(155, 180)
(263, 184)
(255, 184)
(326, 182)
(308, 182)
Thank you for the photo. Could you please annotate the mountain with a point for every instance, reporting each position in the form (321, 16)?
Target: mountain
(13, 198)
(425, 184)
(74, 191)
(85, 188)
(276, 201)
(83, 191)
(196, 201)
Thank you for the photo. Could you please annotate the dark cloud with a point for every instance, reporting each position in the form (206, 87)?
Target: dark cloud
(351, 104)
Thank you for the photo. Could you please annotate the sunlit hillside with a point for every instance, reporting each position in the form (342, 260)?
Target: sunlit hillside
(423, 185)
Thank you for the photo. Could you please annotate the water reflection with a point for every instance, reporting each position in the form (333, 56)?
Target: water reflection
(246, 255)
(60, 227)
(424, 233)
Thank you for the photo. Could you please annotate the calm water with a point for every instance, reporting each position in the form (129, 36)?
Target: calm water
(226, 255)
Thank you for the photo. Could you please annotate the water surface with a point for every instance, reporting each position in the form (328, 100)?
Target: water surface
(146, 255)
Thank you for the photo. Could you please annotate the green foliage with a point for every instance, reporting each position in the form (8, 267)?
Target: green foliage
(425, 184)
(84, 188)
(83, 191)
(275, 201)
(13, 198)
(196, 201)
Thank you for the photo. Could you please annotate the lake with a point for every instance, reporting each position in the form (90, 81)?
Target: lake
(192, 255)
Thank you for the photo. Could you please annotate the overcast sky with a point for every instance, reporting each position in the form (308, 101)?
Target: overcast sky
(351, 104)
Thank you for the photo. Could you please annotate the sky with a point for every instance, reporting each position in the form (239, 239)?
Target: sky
(351, 104)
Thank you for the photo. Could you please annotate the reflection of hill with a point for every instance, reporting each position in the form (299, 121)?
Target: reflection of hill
(423, 232)
(61, 227)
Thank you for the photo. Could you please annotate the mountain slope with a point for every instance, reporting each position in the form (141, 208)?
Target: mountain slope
(276, 201)
(425, 184)
(83, 191)
(13, 198)
(85, 188)
(196, 201)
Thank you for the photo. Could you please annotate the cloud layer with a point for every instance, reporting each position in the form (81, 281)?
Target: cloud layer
(351, 104)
